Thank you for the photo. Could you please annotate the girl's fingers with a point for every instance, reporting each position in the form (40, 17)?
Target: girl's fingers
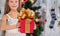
(18, 25)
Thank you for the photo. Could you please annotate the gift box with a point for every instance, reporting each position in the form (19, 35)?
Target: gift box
(26, 20)
(26, 25)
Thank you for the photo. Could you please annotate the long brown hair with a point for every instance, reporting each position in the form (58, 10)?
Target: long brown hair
(7, 8)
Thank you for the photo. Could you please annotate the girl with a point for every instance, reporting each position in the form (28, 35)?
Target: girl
(9, 19)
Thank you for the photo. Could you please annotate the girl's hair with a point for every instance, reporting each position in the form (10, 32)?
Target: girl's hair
(7, 8)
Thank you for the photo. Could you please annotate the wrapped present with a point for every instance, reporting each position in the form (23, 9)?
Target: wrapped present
(27, 25)
(26, 20)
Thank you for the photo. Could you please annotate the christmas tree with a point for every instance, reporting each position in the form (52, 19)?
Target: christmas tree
(28, 5)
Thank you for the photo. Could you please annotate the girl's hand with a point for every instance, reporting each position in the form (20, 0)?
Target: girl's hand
(18, 26)
(34, 26)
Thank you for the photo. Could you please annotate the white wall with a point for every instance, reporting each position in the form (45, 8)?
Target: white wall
(56, 30)
(2, 7)
(2, 10)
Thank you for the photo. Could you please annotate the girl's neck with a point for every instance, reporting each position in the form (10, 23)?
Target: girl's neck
(13, 11)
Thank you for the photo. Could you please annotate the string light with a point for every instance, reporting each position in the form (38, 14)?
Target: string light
(32, 1)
